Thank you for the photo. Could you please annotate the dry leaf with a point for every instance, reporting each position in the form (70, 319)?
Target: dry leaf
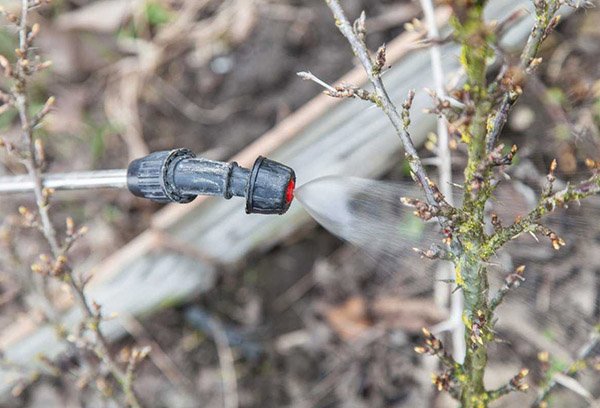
(357, 315)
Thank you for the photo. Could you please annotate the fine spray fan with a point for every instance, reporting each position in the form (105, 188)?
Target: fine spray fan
(178, 176)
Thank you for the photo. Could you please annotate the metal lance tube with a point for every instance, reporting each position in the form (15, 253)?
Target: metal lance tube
(83, 180)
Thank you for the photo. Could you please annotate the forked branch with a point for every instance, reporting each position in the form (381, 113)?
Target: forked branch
(355, 36)
(31, 154)
(570, 371)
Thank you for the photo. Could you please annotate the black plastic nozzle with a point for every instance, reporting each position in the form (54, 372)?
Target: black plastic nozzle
(270, 187)
(179, 176)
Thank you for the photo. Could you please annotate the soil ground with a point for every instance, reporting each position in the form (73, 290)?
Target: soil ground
(303, 321)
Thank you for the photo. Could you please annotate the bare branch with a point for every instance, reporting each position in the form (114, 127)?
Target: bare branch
(383, 100)
(572, 370)
(546, 205)
(433, 346)
(137, 355)
(546, 21)
(339, 91)
(515, 384)
(513, 280)
(309, 76)
(32, 157)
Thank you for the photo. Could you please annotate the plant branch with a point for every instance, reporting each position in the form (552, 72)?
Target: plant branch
(382, 98)
(546, 205)
(32, 158)
(545, 24)
(572, 370)
(513, 280)
(137, 355)
(515, 384)
(339, 91)
(22, 104)
(434, 347)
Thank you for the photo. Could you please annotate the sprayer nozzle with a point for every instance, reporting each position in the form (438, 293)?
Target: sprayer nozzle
(270, 187)
(179, 176)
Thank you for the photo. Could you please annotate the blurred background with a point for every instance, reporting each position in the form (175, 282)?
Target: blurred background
(306, 320)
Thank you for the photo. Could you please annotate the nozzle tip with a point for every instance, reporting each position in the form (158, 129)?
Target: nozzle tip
(289, 193)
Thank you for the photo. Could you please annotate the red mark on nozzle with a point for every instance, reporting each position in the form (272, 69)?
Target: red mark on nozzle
(289, 193)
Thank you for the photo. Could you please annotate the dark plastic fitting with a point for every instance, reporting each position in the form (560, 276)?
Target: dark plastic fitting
(179, 176)
(152, 176)
(270, 187)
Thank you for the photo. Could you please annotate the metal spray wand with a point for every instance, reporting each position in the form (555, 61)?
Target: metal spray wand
(179, 176)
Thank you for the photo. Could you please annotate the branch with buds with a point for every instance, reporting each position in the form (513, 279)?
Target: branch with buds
(434, 252)
(513, 280)
(515, 384)
(137, 355)
(584, 353)
(476, 112)
(31, 153)
(446, 381)
(434, 347)
(547, 204)
(374, 67)
(339, 91)
(546, 22)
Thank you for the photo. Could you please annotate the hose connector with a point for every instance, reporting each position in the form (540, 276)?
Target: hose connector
(153, 176)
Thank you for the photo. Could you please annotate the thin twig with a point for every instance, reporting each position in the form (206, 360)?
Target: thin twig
(227, 362)
(546, 205)
(31, 161)
(515, 384)
(571, 371)
(545, 23)
(383, 99)
(158, 356)
(309, 76)
(22, 104)
(339, 91)
(513, 280)
(434, 347)
(137, 355)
